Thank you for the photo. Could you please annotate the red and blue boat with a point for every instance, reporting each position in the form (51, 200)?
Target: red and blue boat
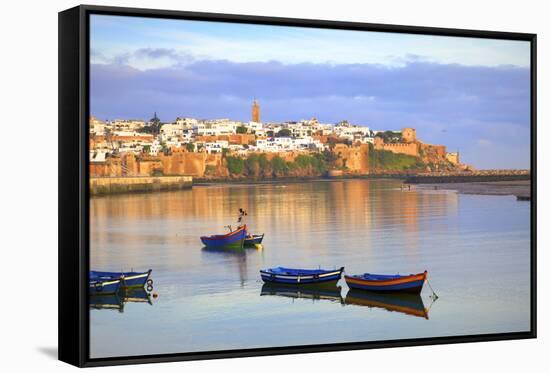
(295, 276)
(388, 283)
(232, 240)
(127, 279)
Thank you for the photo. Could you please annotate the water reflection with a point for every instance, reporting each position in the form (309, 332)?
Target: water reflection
(211, 299)
(236, 257)
(118, 300)
(284, 212)
(408, 304)
(331, 293)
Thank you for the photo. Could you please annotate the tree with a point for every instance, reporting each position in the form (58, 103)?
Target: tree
(252, 165)
(242, 130)
(329, 157)
(389, 136)
(155, 124)
(190, 147)
(235, 165)
(285, 132)
(279, 166)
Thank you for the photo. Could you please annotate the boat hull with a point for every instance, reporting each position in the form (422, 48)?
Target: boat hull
(305, 278)
(101, 287)
(233, 240)
(256, 239)
(399, 284)
(127, 279)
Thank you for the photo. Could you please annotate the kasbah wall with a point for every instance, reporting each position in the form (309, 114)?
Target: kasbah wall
(178, 163)
(182, 162)
(354, 158)
(410, 145)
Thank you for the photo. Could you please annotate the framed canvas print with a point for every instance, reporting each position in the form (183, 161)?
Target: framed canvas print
(238, 186)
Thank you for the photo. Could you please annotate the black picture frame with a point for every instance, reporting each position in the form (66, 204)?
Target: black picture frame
(74, 178)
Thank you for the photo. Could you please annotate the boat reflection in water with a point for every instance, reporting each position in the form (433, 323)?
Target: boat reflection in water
(118, 300)
(409, 304)
(331, 293)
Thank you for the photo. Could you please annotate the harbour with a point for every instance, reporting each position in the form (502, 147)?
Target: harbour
(468, 243)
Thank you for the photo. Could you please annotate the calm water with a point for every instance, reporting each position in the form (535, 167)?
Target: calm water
(476, 249)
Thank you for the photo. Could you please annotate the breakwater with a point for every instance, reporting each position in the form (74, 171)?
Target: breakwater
(117, 185)
(469, 177)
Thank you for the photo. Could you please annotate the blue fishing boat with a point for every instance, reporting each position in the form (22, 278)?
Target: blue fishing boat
(388, 283)
(231, 240)
(294, 276)
(128, 279)
(253, 239)
(99, 286)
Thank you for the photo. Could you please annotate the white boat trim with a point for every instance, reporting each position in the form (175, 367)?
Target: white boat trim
(103, 283)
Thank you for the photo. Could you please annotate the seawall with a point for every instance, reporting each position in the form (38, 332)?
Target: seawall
(116, 185)
(478, 176)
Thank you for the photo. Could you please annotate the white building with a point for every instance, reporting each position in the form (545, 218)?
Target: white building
(254, 126)
(216, 127)
(127, 124)
(215, 147)
(187, 123)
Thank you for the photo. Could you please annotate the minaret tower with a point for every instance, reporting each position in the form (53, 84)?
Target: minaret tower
(255, 111)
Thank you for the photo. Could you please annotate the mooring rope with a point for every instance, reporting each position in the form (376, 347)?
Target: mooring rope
(434, 295)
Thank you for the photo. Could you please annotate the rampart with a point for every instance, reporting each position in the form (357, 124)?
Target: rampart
(116, 185)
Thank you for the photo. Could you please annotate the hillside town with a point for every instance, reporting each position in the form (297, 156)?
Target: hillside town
(203, 147)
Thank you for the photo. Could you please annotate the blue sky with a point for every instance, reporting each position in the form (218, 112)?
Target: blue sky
(469, 94)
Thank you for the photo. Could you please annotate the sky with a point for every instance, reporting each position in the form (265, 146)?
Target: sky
(470, 94)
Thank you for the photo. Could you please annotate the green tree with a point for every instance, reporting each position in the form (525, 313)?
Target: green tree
(390, 136)
(280, 168)
(252, 165)
(235, 165)
(329, 157)
(285, 132)
(242, 130)
(190, 147)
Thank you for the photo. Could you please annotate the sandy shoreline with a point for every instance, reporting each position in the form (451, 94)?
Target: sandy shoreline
(521, 188)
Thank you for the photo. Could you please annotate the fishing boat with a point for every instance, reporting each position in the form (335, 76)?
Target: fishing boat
(282, 275)
(388, 283)
(99, 286)
(253, 239)
(233, 240)
(408, 304)
(127, 279)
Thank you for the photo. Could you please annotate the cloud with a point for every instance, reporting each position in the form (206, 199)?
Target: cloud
(144, 58)
(450, 104)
